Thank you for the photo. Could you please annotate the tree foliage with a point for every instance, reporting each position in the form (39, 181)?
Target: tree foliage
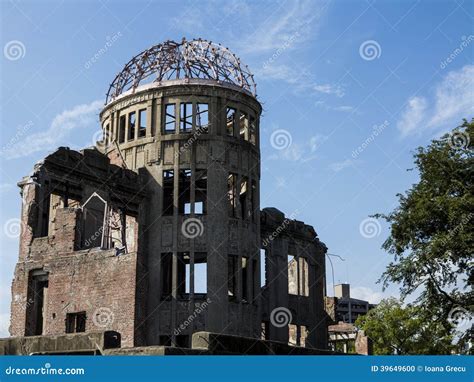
(395, 329)
(432, 235)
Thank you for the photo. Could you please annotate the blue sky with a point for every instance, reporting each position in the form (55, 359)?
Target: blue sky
(349, 89)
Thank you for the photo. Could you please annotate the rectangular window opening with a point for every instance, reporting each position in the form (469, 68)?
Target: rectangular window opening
(245, 278)
(200, 273)
(168, 187)
(200, 198)
(142, 123)
(166, 275)
(122, 126)
(232, 194)
(202, 117)
(132, 119)
(230, 121)
(253, 131)
(170, 118)
(243, 197)
(244, 126)
(184, 190)
(186, 117)
(232, 277)
(76, 322)
(184, 275)
(263, 270)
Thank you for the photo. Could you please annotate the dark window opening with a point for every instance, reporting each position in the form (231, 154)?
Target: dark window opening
(76, 322)
(107, 138)
(93, 212)
(244, 126)
(170, 118)
(184, 191)
(232, 194)
(243, 198)
(186, 117)
(253, 200)
(232, 277)
(255, 283)
(245, 278)
(168, 187)
(45, 207)
(200, 203)
(202, 117)
(132, 119)
(164, 341)
(142, 123)
(230, 121)
(181, 341)
(184, 275)
(166, 275)
(37, 301)
(122, 125)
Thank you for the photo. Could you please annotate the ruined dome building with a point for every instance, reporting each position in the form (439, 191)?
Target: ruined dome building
(156, 234)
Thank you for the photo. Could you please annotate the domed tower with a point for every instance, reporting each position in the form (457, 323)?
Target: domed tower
(185, 117)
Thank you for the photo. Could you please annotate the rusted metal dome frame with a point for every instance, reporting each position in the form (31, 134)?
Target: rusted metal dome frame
(186, 60)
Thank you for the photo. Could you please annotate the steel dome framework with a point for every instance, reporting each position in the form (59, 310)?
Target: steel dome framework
(186, 60)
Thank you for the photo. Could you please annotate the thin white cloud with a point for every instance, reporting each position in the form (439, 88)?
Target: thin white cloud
(367, 294)
(4, 324)
(412, 116)
(454, 97)
(79, 117)
(342, 108)
(339, 166)
(329, 89)
(453, 100)
(296, 22)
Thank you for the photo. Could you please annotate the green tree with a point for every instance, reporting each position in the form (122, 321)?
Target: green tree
(395, 329)
(432, 235)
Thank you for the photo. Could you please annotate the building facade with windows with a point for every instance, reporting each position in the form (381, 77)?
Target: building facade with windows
(156, 233)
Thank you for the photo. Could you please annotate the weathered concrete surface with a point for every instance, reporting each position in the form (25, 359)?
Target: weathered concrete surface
(67, 344)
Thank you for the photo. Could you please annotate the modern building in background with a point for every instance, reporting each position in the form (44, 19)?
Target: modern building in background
(155, 236)
(344, 308)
